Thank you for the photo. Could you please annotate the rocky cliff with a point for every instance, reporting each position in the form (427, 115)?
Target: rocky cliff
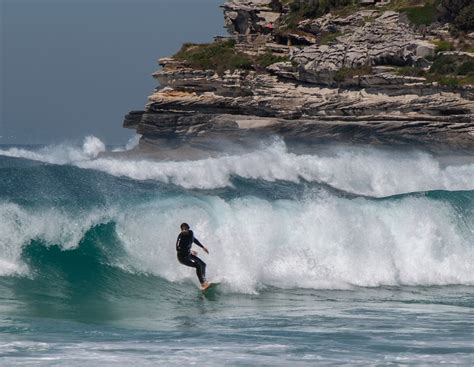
(355, 74)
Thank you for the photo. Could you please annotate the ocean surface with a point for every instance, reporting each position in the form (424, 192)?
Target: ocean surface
(342, 255)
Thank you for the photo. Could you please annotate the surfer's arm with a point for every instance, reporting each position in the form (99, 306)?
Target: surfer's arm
(196, 241)
(177, 242)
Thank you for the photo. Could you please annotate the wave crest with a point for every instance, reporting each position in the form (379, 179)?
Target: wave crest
(358, 170)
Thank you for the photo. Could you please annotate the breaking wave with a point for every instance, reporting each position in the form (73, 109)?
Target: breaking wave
(359, 170)
(270, 217)
(320, 242)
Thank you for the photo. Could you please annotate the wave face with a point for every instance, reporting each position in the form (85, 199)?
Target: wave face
(338, 219)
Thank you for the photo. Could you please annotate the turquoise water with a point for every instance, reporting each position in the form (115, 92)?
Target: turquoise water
(341, 256)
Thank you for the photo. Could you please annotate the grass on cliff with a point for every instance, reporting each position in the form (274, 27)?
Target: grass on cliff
(411, 71)
(221, 56)
(268, 58)
(452, 70)
(345, 73)
(442, 45)
(327, 38)
(309, 9)
(447, 70)
(422, 15)
(450, 64)
(459, 13)
(218, 56)
(452, 81)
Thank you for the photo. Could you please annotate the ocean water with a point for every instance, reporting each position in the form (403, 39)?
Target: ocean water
(342, 255)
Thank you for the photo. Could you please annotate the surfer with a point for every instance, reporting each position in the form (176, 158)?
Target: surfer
(188, 257)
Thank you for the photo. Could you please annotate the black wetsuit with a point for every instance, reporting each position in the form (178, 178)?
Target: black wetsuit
(183, 247)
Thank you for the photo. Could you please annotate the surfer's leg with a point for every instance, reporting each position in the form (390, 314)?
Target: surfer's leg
(200, 268)
(187, 261)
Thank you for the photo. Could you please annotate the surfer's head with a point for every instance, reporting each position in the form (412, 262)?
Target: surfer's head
(184, 227)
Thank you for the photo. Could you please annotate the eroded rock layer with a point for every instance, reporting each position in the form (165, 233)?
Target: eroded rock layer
(345, 90)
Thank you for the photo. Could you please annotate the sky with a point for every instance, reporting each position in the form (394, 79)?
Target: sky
(73, 68)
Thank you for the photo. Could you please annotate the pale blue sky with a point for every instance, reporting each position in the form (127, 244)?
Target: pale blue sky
(70, 68)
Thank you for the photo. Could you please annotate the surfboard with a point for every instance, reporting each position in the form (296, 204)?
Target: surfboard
(211, 286)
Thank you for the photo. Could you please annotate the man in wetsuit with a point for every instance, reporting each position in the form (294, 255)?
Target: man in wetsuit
(188, 257)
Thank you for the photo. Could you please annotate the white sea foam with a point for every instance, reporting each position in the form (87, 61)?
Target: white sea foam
(365, 171)
(18, 226)
(319, 242)
(322, 242)
(93, 146)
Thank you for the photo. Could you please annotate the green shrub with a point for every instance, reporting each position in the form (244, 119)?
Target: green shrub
(452, 80)
(240, 61)
(466, 68)
(306, 9)
(448, 81)
(460, 13)
(421, 15)
(465, 20)
(300, 10)
(430, 58)
(469, 80)
(411, 71)
(452, 70)
(346, 73)
(218, 56)
(444, 65)
(221, 56)
(269, 58)
(328, 38)
(451, 64)
(442, 45)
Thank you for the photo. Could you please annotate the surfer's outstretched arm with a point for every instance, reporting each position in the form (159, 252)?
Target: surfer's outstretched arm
(196, 241)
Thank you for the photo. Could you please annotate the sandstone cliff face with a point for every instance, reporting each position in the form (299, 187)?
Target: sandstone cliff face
(346, 90)
(385, 40)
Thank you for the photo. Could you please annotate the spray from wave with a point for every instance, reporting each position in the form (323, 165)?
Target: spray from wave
(131, 143)
(59, 154)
